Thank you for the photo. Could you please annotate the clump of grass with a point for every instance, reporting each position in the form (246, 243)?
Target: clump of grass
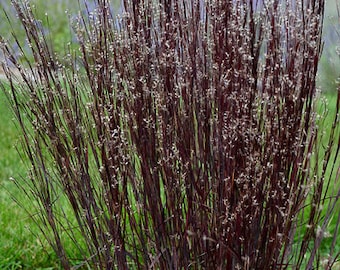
(184, 135)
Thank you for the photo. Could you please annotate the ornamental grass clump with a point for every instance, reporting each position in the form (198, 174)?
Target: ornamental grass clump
(181, 135)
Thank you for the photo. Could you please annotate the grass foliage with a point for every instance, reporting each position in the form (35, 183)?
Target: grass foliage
(182, 134)
(21, 246)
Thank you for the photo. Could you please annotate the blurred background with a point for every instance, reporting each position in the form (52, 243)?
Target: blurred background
(56, 17)
(329, 69)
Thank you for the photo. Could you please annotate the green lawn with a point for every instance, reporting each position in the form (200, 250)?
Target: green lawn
(20, 248)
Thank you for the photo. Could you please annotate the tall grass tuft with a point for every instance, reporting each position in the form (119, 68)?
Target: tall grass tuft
(181, 135)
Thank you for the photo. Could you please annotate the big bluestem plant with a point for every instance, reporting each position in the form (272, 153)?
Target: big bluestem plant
(181, 135)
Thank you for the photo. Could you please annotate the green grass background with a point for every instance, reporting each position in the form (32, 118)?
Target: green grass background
(20, 247)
